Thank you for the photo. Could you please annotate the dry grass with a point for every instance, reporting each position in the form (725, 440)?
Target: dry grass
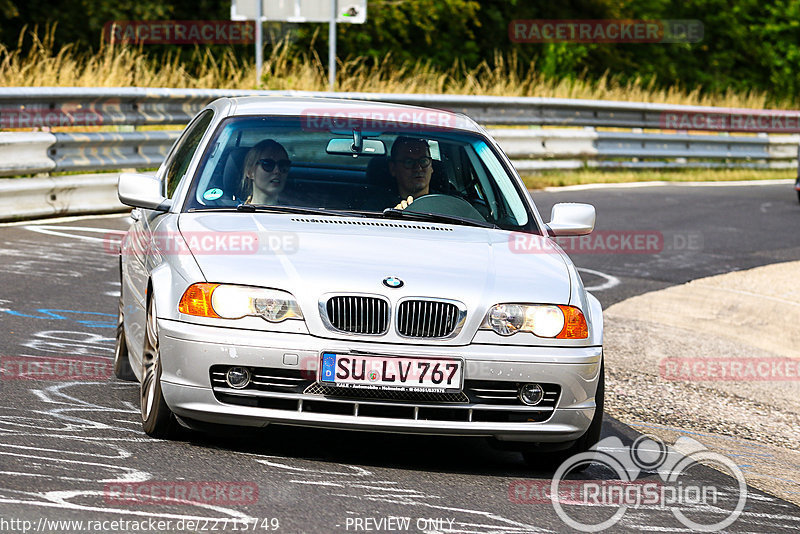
(116, 66)
(127, 66)
(561, 178)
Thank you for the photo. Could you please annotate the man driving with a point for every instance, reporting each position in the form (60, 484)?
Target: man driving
(411, 167)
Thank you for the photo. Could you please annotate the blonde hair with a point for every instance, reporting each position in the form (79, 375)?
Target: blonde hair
(250, 163)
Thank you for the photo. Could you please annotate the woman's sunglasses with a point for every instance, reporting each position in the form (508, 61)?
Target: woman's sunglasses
(269, 165)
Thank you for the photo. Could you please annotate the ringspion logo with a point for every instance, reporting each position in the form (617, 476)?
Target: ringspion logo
(596, 505)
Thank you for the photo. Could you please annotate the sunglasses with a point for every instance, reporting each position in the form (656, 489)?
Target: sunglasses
(410, 163)
(269, 165)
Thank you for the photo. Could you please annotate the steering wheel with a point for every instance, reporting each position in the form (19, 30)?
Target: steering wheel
(445, 205)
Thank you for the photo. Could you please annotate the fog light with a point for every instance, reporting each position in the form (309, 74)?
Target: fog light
(531, 394)
(237, 377)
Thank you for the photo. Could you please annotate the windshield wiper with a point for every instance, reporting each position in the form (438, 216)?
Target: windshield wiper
(252, 208)
(393, 213)
(295, 209)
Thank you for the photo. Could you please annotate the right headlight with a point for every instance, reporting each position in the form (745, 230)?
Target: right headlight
(542, 320)
(234, 302)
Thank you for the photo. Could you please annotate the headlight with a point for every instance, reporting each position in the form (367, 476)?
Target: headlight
(235, 302)
(543, 320)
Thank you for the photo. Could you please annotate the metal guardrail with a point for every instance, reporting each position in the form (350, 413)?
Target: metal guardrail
(529, 149)
(32, 198)
(24, 107)
(547, 149)
(32, 152)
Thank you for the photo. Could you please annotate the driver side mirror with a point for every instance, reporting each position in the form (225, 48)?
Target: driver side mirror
(142, 191)
(571, 219)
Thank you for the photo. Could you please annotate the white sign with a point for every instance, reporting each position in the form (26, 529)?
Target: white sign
(350, 11)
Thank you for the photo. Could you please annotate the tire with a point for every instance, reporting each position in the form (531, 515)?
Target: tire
(549, 461)
(158, 421)
(122, 364)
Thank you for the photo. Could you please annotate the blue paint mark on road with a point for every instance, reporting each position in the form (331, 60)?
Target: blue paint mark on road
(66, 315)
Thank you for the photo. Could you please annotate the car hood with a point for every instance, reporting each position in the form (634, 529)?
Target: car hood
(312, 256)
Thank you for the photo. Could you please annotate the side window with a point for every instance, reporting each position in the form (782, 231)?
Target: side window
(184, 150)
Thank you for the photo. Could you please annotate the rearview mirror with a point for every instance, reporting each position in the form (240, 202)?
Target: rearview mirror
(369, 147)
(571, 219)
(142, 191)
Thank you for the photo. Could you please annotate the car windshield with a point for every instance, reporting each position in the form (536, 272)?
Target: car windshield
(294, 162)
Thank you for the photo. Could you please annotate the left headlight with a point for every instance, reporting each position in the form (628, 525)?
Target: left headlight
(234, 302)
(542, 320)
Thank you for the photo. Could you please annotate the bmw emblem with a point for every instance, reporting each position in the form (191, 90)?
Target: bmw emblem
(393, 282)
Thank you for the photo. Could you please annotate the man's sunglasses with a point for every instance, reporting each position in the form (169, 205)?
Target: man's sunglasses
(269, 165)
(410, 163)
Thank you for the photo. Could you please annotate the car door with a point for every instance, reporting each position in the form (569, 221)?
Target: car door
(140, 251)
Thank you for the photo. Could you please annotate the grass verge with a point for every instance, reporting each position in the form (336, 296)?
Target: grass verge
(41, 65)
(589, 176)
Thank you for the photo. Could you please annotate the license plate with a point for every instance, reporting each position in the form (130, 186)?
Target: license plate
(391, 373)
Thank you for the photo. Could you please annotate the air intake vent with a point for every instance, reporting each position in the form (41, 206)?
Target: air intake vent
(405, 226)
(428, 318)
(358, 314)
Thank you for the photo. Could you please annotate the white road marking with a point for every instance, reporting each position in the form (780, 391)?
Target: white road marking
(111, 235)
(67, 219)
(611, 281)
(631, 185)
(356, 471)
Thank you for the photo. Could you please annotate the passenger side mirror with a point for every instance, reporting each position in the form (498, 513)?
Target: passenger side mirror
(571, 219)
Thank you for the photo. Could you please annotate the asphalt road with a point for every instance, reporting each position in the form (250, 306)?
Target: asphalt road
(64, 445)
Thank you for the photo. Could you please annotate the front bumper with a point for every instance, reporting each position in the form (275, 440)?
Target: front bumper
(188, 352)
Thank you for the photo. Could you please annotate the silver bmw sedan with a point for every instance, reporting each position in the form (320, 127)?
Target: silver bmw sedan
(355, 265)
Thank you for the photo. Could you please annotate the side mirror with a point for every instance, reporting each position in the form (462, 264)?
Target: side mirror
(571, 219)
(142, 191)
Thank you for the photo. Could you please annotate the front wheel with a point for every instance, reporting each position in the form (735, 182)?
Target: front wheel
(122, 365)
(158, 420)
(540, 460)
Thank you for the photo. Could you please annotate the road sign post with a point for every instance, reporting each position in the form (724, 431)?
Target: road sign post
(332, 47)
(300, 11)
